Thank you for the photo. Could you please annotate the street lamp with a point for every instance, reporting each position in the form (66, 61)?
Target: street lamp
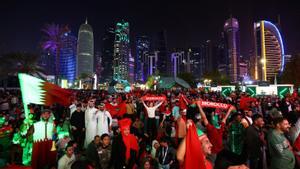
(207, 82)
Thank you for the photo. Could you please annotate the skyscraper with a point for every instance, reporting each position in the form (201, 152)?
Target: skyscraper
(121, 51)
(98, 64)
(269, 51)
(47, 62)
(197, 63)
(222, 58)
(131, 67)
(142, 52)
(164, 60)
(210, 60)
(231, 28)
(177, 63)
(68, 57)
(107, 54)
(85, 50)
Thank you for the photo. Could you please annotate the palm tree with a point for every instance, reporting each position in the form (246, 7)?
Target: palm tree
(19, 62)
(53, 42)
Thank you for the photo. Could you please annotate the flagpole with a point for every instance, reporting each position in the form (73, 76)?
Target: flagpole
(25, 104)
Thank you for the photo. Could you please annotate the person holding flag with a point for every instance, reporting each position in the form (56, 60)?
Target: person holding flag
(43, 153)
(150, 109)
(40, 92)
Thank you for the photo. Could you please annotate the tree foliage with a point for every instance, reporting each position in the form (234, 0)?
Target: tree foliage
(291, 72)
(52, 41)
(188, 77)
(19, 62)
(217, 77)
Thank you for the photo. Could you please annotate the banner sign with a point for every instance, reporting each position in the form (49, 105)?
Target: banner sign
(154, 98)
(213, 104)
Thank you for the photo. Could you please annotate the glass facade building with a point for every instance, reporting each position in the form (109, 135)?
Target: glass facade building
(121, 51)
(269, 51)
(231, 29)
(68, 57)
(85, 50)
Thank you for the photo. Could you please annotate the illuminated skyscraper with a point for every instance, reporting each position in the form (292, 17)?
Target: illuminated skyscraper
(142, 52)
(231, 28)
(107, 55)
(85, 50)
(131, 68)
(164, 60)
(121, 51)
(177, 63)
(68, 57)
(197, 61)
(269, 51)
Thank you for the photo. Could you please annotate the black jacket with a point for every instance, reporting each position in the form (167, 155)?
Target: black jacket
(253, 142)
(92, 155)
(77, 119)
(118, 155)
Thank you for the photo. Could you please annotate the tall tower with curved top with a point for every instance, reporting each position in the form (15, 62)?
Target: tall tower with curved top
(85, 50)
(269, 51)
(231, 29)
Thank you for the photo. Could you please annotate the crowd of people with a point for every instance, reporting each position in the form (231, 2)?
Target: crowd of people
(152, 130)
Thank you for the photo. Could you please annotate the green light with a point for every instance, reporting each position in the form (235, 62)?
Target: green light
(251, 91)
(282, 93)
(226, 91)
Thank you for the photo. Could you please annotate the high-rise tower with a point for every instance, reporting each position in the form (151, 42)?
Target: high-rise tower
(231, 28)
(142, 53)
(85, 50)
(269, 51)
(107, 54)
(121, 51)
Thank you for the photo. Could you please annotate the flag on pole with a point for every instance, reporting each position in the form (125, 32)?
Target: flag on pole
(38, 91)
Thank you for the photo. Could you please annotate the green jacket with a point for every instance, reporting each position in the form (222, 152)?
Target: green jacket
(281, 155)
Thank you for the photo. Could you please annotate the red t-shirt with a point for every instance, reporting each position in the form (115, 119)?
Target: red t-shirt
(215, 136)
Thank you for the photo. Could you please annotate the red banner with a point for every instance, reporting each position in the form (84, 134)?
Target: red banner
(154, 98)
(213, 104)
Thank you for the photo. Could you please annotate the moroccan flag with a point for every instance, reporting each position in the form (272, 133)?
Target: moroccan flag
(245, 102)
(183, 102)
(116, 110)
(194, 156)
(37, 91)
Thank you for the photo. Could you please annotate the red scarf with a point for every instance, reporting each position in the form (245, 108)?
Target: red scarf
(130, 142)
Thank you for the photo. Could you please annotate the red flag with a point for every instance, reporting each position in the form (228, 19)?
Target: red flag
(245, 102)
(116, 111)
(194, 156)
(55, 94)
(183, 102)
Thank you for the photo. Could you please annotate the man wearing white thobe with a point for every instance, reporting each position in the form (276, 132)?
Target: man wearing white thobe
(104, 120)
(90, 123)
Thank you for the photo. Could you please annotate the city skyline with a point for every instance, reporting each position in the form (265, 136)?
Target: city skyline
(186, 25)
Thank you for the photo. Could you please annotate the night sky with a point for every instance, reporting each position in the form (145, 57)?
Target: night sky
(188, 23)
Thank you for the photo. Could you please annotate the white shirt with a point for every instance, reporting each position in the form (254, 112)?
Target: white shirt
(65, 162)
(151, 110)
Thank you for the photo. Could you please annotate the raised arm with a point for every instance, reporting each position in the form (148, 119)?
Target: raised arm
(203, 116)
(144, 104)
(227, 114)
(182, 146)
(156, 106)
